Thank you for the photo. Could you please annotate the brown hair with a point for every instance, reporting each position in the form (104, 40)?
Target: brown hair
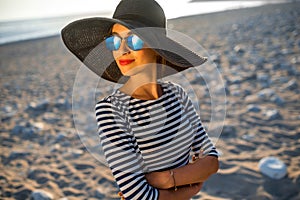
(161, 65)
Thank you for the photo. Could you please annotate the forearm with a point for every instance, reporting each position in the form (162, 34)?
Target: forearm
(196, 172)
(181, 194)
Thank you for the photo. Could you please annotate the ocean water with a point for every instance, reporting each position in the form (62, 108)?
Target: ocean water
(14, 31)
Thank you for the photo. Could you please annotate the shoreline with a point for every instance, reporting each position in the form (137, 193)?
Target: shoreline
(21, 42)
(79, 16)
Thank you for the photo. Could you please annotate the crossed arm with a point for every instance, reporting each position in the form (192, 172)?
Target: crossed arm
(189, 177)
(194, 173)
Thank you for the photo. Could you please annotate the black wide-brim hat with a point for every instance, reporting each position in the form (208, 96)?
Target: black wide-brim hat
(84, 38)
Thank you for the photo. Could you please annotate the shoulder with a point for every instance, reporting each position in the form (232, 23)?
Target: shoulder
(115, 102)
(171, 85)
(175, 88)
(108, 102)
(104, 107)
(105, 102)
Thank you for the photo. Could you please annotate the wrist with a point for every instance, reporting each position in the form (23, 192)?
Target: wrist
(172, 174)
(169, 184)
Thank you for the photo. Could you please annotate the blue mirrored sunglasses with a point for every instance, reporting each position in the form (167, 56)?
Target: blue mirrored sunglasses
(113, 42)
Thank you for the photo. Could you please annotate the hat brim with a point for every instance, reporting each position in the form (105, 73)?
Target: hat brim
(84, 38)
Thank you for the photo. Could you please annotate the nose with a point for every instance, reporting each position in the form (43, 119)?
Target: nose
(124, 49)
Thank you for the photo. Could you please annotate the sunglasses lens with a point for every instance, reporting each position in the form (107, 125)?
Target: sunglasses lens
(135, 43)
(113, 43)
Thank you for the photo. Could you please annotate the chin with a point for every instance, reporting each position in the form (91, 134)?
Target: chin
(130, 73)
(134, 71)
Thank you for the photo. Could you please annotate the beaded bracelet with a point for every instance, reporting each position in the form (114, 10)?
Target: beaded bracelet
(172, 174)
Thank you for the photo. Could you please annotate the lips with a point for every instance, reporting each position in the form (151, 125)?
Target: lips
(126, 61)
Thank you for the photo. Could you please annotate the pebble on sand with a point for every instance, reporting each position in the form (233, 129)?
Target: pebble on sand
(253, 108)
(273, 114)
(272, 167)
(41, 195)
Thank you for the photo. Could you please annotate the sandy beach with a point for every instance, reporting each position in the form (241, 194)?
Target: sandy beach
(257, 51)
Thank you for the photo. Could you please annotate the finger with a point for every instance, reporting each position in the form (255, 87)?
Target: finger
(195, 188)
(194, 158)
(201, 154)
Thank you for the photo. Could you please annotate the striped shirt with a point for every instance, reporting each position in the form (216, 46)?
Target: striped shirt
(141, 136)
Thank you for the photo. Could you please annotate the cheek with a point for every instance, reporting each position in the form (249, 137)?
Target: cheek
(146, 55)
(115, 55)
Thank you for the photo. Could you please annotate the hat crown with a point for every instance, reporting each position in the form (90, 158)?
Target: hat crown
(147, 12)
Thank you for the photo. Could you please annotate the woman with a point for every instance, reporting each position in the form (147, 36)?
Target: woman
(148, 129)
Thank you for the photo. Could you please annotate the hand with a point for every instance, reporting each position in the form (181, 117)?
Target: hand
(120, 194)
(200, 155)
(195, 188)
(160, 180)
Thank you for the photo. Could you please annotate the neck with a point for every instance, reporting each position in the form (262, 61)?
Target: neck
(143, 85)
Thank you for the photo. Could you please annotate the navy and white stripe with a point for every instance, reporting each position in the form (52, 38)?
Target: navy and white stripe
(140, 136)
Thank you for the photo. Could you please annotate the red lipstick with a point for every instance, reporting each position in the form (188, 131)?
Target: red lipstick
(126, 61)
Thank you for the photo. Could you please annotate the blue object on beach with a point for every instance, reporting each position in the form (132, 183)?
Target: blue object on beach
(272, 167)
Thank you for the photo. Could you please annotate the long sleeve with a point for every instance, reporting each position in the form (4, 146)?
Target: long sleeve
(201, 140)
(122, 153)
